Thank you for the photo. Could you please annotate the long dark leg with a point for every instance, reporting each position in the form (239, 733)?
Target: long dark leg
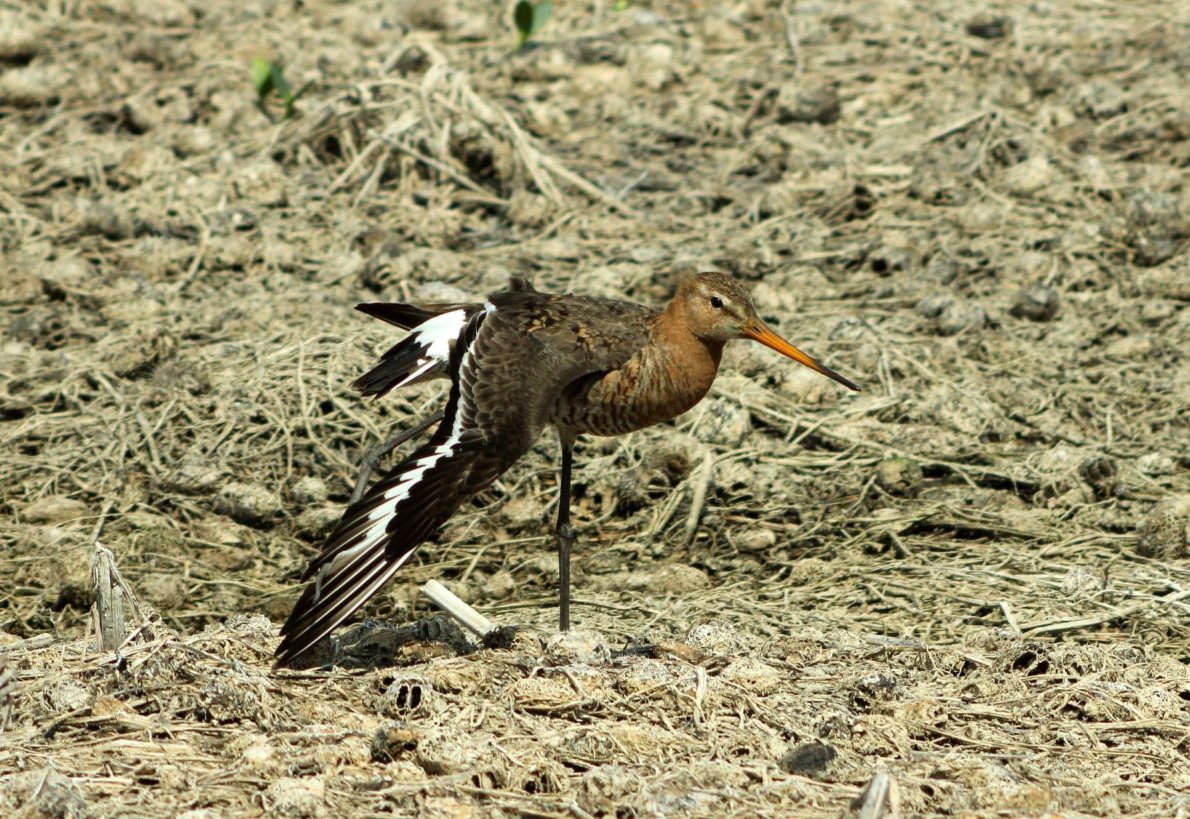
(372, 456)
(565, 537)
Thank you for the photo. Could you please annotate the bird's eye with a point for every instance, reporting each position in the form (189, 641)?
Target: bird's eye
(716, 302)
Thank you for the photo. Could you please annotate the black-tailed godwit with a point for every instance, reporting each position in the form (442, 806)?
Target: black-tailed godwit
(519, 362)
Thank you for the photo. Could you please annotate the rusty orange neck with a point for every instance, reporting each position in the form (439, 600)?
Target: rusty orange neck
(691, 362)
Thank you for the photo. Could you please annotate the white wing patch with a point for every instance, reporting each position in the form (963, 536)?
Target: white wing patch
(435, 336)
(438, 333)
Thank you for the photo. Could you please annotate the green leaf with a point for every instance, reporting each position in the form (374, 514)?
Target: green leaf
(280, 84)
(529, 18)
(262, 76)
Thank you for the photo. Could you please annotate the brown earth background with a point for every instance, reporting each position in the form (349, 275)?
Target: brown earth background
(972, 578)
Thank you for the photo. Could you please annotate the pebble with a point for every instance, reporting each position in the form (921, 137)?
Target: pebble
(196, 476)
(248, 503)
(812, 759)
(439, 292)
(1165, 532)
(1157, 311)
(756, 540)
(577, 647)
(889, 259)
(66, 696)
(294, 797)
(815, 105)
(1029, 177)
(31, 86)
(952, 315)
(723, 422)
(47, 793)
(898, 475)
(989, 26)
(308, 490)
(1036, 302)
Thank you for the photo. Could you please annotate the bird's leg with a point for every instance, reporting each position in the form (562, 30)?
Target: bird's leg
(564, 534)
(372, 456)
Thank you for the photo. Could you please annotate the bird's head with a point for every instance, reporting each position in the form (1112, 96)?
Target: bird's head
(716, 308)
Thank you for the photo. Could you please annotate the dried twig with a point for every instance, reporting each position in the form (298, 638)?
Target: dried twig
(446, 600)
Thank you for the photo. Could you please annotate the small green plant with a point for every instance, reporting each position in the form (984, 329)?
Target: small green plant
(269, 79)
(621, 5)
(529, 18)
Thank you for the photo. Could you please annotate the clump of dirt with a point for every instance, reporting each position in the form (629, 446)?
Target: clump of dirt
(971, 580)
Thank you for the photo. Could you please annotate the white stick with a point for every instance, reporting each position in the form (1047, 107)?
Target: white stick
(446, 600)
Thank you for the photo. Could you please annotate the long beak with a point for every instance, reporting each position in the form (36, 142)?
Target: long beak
(758, 332)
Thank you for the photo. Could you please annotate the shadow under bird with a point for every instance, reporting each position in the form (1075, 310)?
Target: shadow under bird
(519, 362)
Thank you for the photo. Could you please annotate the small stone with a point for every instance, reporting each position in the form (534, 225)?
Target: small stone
(21, 38)
(54, 510)
(46, 793)
(66, 696)
(723, 422)
(1029, 177)
(898, 475)
(248, 503)
(932, 306)
(21, 288)
(196, 476)
(544, 695)
(981, 217)
(677, 578)
(1036, 302)
(293, 797)
(577, 647)
(652, 65)
(812, 759)
(1100, 98)
(31, 86)
(439, 292)
(989, 26)
(443, 751)
(820, 105)
(714, 638)
(756, 540)
(252, 626)
(499, 586)
(259, 756)
(1156, 464)
(318, 521)
(1165, 532)
(1155, 312)
(308, 490)
(953, 316)
(522, 511)
(752, 675)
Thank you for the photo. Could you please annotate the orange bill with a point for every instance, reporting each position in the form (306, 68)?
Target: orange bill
(768, 338)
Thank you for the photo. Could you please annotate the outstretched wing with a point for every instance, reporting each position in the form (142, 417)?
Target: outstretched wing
(513, 359)
(382, 530)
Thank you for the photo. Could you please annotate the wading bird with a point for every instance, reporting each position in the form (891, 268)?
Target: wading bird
(519, 362)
